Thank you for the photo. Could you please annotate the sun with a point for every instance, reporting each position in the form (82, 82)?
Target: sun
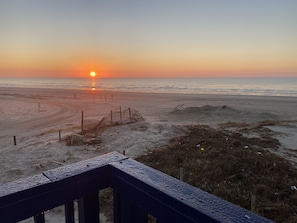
(93, 74)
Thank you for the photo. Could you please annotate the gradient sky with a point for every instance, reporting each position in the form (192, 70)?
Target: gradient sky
(148, 38)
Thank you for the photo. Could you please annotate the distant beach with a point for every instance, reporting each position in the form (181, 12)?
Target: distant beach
(35, 116)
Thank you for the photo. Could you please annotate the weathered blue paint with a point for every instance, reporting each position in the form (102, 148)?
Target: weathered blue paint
(53, 188)
(138, 190)
(89, 208)
(171, 200)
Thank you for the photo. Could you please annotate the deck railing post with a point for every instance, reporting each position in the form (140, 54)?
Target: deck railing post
(88, 208)
(39, 218)
(126, 211)
(82, 122)
(138, 214)
(116, 207)
(69, 212)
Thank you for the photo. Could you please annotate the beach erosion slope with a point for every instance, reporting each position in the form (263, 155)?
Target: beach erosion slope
(35, 117)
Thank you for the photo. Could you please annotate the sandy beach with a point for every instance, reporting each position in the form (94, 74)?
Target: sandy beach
(35, 117)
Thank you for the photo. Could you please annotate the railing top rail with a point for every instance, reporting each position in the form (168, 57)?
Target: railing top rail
(60, 173)
(159, 194)
(153, 190)
(27, 197)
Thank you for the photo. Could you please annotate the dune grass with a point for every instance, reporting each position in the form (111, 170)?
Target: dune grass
(233, 167)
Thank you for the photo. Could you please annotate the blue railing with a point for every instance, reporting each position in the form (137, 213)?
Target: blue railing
(138, 190)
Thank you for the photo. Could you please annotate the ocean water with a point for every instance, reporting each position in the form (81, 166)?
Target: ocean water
(229, 86)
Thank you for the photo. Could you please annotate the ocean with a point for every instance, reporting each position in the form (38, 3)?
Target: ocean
(227, 86)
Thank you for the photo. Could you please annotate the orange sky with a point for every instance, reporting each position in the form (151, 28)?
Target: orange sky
(148, 39)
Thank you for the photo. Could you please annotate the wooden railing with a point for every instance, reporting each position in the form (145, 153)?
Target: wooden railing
(138, 190)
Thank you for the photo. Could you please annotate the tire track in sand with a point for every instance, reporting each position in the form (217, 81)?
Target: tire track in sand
(64, 112)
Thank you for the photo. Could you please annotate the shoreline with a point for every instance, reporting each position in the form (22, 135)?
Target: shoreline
(226, 86)
(285, 105)
(90, 91)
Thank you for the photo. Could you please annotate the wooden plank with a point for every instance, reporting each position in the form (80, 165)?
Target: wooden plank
(126, 211)
(47, 196)
(21, 185)
(140, 215)
(88, 208)
(30, 196)
(170, 200)
(138, 190)
(69, 212)
(39, 218)
(84, 166)
(116, 207)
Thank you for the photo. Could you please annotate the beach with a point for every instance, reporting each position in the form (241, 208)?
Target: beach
(36, 116)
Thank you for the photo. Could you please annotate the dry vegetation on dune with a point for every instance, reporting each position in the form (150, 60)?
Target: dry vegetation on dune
(233, 167)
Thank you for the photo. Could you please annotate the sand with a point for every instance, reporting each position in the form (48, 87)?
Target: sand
(35, 117)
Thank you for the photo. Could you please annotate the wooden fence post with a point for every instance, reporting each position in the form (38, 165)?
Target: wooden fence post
(59, 135)
(253, 203)
(130, 114)
(82, 121)
(14, 140)
(121, 113)
(181, 174)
